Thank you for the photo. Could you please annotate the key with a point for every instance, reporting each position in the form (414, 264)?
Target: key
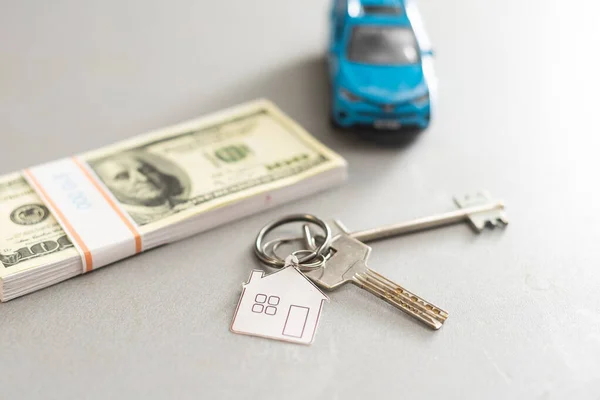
(348, 263)
(479, 210)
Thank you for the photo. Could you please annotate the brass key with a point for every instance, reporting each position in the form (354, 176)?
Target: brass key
(348, 263)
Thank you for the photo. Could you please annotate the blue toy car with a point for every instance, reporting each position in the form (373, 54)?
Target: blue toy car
(380, 65)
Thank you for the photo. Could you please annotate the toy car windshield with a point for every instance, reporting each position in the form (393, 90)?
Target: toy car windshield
(383, 46)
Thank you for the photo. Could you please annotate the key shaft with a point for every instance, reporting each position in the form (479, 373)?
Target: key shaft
(423, 223)
(478, 210)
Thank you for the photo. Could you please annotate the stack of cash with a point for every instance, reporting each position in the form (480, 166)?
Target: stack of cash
(171, 183)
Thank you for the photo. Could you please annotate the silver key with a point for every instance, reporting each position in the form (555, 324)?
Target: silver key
(348, 263)
(479, 210)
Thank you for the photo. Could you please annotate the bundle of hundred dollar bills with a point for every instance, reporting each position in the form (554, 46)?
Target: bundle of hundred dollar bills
(71, 216)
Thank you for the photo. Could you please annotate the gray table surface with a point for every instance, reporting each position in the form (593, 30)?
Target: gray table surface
(517, 116)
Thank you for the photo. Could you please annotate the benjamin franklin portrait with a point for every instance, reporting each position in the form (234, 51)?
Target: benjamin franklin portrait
(149, 186)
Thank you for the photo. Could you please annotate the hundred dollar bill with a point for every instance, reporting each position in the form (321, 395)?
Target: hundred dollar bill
(30, 236)
(165, 178)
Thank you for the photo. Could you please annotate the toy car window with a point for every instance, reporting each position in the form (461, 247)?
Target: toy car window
(382, 10)
(383, 45)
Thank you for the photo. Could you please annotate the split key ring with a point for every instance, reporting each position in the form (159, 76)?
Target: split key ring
(312, 254)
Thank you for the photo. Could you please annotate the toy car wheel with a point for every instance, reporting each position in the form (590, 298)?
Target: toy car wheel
(334, 124)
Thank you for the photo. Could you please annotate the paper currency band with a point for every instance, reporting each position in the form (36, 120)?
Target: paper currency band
(90, 216)
(64, 222)
(117, 209)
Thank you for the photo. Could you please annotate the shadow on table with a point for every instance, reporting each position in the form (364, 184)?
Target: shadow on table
(302, 90)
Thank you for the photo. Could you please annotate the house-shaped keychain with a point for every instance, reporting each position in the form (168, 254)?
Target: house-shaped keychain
(284, 305)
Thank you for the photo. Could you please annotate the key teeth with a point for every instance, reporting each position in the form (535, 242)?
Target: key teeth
(494, 218)
(478, 226)
(492, 223)
(402, 298)
(498, 222)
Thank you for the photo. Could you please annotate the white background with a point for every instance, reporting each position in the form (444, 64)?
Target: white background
(518, 116)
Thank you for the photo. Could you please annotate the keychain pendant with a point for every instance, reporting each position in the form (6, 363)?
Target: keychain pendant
(284, 305)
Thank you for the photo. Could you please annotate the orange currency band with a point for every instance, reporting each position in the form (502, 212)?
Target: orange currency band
(68, 227)
(114, 206)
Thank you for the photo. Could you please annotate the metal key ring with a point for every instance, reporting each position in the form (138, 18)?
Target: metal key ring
(306, 267)
(278, 262)
(272, 246)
